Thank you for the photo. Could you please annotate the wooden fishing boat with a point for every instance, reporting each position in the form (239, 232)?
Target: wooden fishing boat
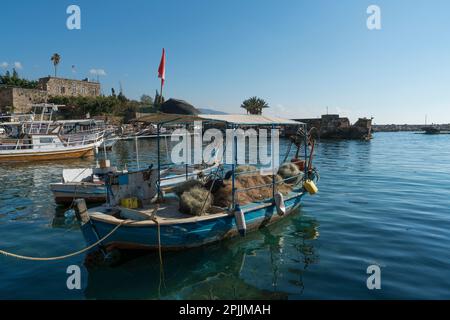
(156, 222)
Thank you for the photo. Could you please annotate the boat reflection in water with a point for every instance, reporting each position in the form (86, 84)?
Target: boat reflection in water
(250, 268)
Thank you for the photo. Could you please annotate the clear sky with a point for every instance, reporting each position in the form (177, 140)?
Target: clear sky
(300, 56)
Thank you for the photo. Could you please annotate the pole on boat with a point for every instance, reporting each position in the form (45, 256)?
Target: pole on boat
(239, 214)
(306, 149)
(233, 169)
(188, 153)
(158, 184)
(104, 146)
(272, 148)
(137, 152)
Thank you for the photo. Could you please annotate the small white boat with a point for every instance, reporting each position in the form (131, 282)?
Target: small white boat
(46, 147)
(89, 184)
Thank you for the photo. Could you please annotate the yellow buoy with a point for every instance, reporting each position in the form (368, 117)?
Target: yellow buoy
(310, 186)
(130, 203)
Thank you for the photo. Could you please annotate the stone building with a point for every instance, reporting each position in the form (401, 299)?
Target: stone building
(20, 100)
(69, 88)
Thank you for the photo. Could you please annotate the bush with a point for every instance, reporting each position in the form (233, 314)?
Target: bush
(118, 106)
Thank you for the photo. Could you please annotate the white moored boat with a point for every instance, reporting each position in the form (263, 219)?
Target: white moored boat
(31, 140)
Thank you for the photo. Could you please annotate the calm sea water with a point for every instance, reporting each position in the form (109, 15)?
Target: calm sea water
(383, 202)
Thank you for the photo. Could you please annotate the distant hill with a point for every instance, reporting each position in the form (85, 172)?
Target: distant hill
(210, 111)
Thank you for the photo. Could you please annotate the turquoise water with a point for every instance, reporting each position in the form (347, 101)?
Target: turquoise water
(383, 202)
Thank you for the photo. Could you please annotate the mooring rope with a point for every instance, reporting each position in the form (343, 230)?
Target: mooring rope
(162, 279)
(21, 257)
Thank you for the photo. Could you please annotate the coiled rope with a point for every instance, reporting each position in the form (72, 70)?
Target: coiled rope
(21, 257)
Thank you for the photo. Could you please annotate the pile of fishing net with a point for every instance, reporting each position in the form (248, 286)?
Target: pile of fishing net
(196, 201)
(249, 177)
(196, 198)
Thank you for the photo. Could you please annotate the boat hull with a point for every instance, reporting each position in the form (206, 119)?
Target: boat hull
(184, 235)
(65, 193)
(46, 155)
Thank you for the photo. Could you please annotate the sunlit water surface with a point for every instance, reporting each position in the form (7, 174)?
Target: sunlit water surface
(383, 202)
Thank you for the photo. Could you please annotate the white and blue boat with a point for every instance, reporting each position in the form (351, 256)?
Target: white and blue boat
(157, 223)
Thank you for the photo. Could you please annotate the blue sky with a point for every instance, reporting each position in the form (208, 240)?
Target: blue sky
(300, 56)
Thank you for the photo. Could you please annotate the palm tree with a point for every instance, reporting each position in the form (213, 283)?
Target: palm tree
(56, 58)
(254, 105)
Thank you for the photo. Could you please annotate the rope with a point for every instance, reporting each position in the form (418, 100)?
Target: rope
(162, 278)
(21, 257)
(161, 265)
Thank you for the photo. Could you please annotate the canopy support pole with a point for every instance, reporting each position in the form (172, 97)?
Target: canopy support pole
(272, 148)
(234, 165)
(158, 184)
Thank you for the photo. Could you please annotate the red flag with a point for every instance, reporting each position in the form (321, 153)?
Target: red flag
(162, 68)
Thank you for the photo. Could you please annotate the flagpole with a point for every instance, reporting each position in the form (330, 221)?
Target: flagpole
(161, 92)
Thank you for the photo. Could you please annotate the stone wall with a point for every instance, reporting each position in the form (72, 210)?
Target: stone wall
(6, 99)
(69, 88)
(20, 99)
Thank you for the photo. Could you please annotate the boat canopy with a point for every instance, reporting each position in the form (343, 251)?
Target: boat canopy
(239, 119)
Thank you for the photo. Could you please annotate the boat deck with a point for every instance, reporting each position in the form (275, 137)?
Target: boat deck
(164, 213)
(167, 213)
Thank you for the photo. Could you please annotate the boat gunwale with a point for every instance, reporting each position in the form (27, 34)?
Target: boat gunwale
(46, 152)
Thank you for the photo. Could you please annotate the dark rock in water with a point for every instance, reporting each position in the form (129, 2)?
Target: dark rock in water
(174, 106)
(331, 126)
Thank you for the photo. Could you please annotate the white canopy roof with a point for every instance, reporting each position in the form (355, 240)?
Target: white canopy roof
(248, 119)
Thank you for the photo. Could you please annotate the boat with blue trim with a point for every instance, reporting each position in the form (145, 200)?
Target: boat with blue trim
(142, 213)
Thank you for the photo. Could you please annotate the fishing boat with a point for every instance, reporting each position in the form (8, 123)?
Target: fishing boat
(142, 214)
(32, 139)
(431, 130)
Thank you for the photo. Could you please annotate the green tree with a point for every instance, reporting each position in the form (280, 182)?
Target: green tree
(254, 105)
(15, 75)
(146, 100)
(56, 59)
(16, 81)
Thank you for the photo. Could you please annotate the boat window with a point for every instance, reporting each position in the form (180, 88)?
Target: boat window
(45, 140)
